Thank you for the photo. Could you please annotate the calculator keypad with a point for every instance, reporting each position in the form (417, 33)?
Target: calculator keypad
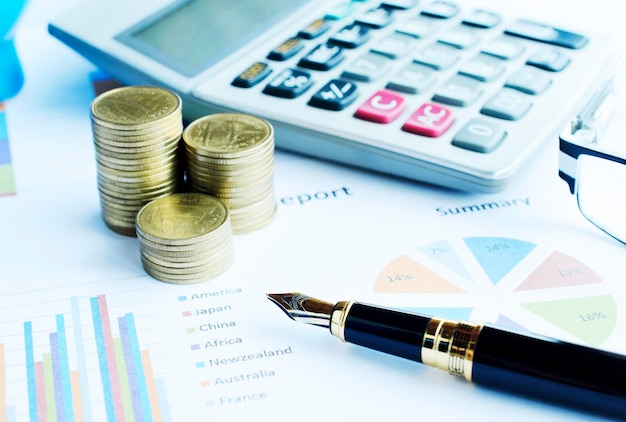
(430, 119)
(431, 71)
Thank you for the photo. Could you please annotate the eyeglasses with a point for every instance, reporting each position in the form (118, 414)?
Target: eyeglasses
(596, 176)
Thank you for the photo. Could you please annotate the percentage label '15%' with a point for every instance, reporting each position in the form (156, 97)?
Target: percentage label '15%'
(592, 316)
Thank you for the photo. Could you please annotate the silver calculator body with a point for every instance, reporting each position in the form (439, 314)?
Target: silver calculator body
(443, 93)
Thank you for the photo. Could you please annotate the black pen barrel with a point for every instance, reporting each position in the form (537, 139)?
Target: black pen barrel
(551, 370)
(523, 364)
(385, 330)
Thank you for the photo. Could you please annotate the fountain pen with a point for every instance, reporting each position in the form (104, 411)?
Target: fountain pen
(538, 367)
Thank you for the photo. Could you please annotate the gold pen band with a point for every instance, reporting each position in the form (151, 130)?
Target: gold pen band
(338, 319)
(449, 345)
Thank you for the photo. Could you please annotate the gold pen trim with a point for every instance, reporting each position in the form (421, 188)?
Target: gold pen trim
(450, 345)
(338, 319)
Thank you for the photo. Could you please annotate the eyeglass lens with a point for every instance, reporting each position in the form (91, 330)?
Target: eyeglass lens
(601, 186)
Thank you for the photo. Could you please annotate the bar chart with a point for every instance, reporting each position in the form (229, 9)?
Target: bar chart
(89, 366)
(7, 180)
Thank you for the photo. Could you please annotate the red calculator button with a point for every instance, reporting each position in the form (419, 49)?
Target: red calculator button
(429, 120)
(382, 107)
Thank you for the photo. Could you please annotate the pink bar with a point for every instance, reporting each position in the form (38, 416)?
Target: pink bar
(111, 360)
(3, 384)
(42, 412)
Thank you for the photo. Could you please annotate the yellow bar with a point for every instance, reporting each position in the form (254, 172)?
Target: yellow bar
(151, 385)
(76, 398)
(122, 375)
(48, 378)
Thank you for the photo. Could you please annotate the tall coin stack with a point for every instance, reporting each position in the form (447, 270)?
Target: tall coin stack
(231, 156)
(136, 132)
(185, 238)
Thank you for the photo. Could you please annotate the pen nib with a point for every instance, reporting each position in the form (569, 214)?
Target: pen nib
(303, 308)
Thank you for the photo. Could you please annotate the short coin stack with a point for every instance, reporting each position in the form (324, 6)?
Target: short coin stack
(136, 132)
(231, 156)
(185, 238)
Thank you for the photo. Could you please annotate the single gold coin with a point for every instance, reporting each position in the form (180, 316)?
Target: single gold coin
(181, 218)
(139, 107)
(226, 135)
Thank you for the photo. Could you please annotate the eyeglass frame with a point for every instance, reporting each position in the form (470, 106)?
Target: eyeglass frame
(570, 150)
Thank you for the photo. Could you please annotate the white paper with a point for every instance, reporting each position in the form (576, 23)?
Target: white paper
(220, 350)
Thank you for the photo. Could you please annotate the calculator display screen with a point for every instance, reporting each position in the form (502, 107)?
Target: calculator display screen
(192, 35)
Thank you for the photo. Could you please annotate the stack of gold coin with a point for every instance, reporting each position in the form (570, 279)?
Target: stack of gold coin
(185, 238)
(231, 156)
(136, 132)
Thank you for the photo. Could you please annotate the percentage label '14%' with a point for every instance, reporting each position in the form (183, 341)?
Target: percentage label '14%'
(399, 277)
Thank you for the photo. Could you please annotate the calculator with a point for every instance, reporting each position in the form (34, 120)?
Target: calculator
(439, 92)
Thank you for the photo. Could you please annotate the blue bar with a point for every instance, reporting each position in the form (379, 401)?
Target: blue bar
(30, 371)
(56, 376)
(133, 342)
(64, 366)
(82, 360)
(102, 359)
(162, 394)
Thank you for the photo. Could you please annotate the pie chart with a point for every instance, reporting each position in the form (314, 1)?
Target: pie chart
(509, 282)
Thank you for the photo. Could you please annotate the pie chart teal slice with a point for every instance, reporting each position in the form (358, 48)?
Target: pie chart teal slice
(591, 319)
(497, 255)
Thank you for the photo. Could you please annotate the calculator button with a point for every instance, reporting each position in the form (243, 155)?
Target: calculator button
(367, 68)
(340, 11)
(382, 107)
(461, 37)
(399, 4)
(507, 104)
(482, 19)
(482, 67)
(315, 29)
(438, 56)
(289, 83)
(547, 34)
(418, 27)
(529, 80)
(505, 48)
(429, 120)
(394, 45)
(479, 135)
(252, 75)
(412, 79)
(441, 10)
(549, 59)
(459, 91)
(376, 18)
(287, 49)
(351, 36)
(322, 57)
(335, 95)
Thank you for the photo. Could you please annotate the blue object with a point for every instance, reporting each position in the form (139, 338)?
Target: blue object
(11, 75)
